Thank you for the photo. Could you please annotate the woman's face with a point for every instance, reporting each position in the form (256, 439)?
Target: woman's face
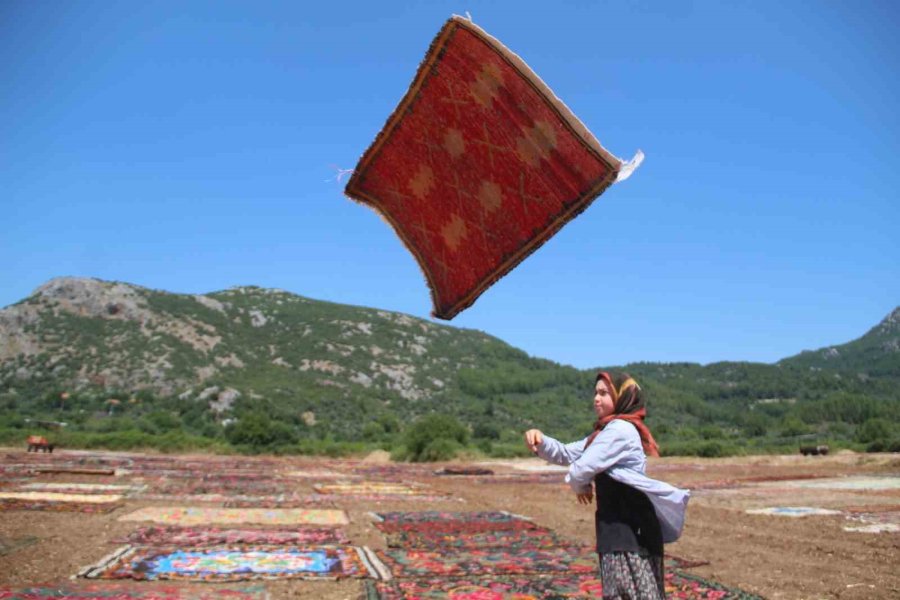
(603, 400)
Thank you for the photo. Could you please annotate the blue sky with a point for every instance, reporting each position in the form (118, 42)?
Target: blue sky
(191, 147)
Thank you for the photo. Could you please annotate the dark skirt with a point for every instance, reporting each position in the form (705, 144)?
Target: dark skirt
(630, 576)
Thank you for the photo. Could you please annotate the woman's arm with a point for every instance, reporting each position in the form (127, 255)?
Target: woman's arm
(552, 450)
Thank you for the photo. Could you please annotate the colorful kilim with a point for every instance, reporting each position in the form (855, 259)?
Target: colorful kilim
(262, 516)
(387, 498)
(48, 506)
(874, 522)
(455, 526)
(246, 501)
(319, 474)
(678, 586)
(792, 511)
(850, 483)
(517, 538)
(543, 478)
(370, 487)
(223, 486)
(213, 536)
(493, 588)
(82, 488)
(234, 563)
(275, 503)
(682, 586)
(54, 497)
(439, 515)
(478, 166)
(128, 591)
(489, 561)
(47, 501)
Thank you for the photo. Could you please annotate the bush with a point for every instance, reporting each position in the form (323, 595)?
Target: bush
(425, 432)
(258, 432)
(713, 450)
(794, 427)
(485, 431)
(875, 430)
(440, 449)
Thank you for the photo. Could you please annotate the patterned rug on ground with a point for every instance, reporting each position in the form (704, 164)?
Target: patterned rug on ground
(488, 561)
(234, 563)
(130, 591)
(515, 538)
(274, 503)
(679, 586)
(260, 516)
(455, 526)
(214, 536)
(478, 165)
(49, 501)
(82, 488)
(427, 516)
(372, 487)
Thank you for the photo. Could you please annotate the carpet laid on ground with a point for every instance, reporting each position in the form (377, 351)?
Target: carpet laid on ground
(679, 586)
(792, 511)
(516, 538)
(407, 563)
(447, 522)
(371, 487)
(82, 488)
(215, 536)
(478, 166)
(50, 501)
(261, 516)
(428, 516)
(234, 563)
(130, 591)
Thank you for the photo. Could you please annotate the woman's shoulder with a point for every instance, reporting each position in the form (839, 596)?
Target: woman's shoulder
(622, 428)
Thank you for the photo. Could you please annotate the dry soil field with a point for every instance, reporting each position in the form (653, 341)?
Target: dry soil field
(770, 555)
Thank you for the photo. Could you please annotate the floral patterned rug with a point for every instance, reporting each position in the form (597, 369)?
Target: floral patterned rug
(233, 563)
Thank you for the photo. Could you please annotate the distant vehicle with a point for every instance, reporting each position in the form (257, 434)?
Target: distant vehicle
(38, 443)
(814, 450)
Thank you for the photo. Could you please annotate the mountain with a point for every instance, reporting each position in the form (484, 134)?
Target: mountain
(877, 353)
(333, 364)
(109, 356)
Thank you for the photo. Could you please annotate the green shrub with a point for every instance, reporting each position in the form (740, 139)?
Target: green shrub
(258, 432)
(427, 431)
(875, 430)
(439, 449)
(509, 451)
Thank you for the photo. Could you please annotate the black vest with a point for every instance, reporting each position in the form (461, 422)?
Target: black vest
(625, 520)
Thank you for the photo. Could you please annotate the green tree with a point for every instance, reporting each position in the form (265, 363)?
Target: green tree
(422, 438)
(875, 430)
(259, 432)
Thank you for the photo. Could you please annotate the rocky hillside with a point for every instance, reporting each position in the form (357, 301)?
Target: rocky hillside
(335, 370)
(877, 353)
(243, 344)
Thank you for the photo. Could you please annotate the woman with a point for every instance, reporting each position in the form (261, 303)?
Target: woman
(635, 514)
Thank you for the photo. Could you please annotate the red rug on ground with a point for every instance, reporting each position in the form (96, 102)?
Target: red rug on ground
(478, 166)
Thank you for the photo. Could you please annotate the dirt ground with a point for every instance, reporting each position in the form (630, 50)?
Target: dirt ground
(774, 556)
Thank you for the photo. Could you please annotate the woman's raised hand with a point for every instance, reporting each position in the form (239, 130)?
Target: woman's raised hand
(533, 439)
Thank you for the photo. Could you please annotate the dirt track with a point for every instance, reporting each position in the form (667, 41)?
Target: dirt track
(777, 557)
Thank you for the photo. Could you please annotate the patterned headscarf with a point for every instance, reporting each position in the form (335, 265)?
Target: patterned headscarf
(628, 405)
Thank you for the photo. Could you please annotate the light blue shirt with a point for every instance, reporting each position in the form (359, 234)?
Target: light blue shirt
(617, 450)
